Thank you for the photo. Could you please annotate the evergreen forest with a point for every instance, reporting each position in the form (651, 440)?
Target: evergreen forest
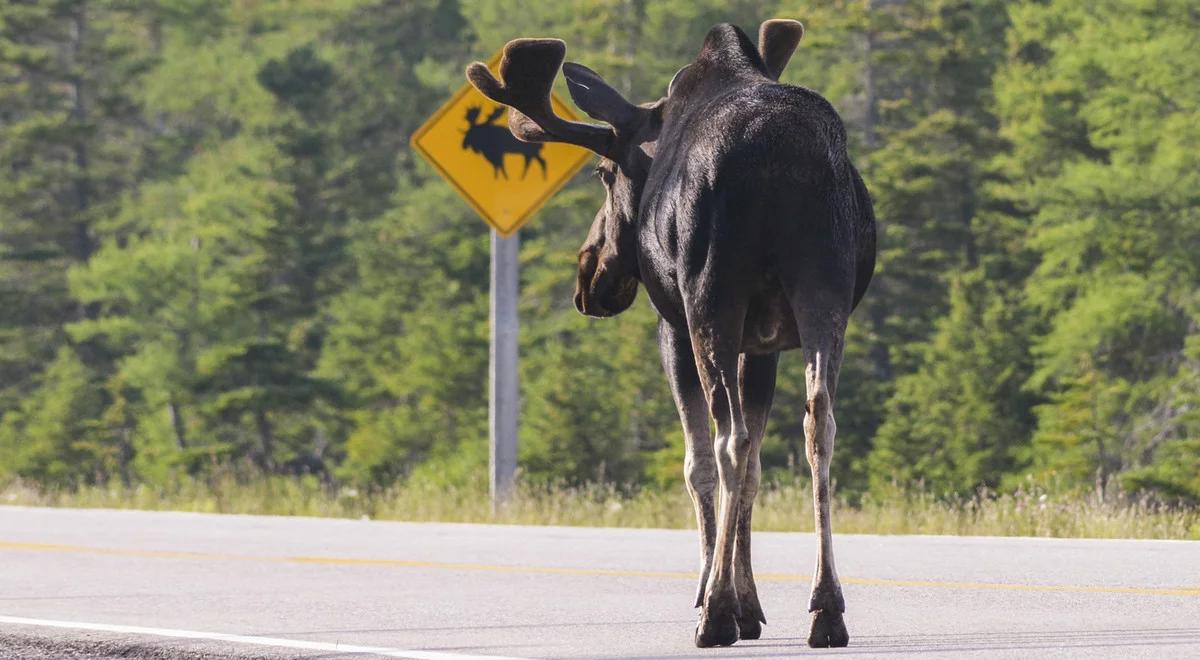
(220, 258)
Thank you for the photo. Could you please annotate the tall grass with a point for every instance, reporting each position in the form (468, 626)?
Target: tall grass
(780, 507)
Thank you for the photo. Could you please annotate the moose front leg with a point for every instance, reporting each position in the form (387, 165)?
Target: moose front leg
(699, 463)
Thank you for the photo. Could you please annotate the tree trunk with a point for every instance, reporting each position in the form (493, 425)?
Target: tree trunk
(266, 439)
(177, 424)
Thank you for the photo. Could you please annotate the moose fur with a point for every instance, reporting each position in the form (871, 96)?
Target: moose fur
(733, 202)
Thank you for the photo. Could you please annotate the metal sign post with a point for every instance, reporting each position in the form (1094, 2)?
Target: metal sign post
(504, 399)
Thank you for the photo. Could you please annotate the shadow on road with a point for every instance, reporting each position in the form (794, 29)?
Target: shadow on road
(1024, 641)
(959, 643)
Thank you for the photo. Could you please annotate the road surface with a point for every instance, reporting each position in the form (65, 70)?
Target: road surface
(98, 583)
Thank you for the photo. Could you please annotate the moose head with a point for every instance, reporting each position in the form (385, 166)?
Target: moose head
(607, 279)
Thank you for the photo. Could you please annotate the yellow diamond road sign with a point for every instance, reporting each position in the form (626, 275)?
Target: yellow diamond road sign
(505, 180)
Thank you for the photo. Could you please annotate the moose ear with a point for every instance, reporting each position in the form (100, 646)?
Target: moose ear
(596, 97)
(675, 78)
(777, 40)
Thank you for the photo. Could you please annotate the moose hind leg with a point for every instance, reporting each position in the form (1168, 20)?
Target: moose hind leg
(756, 378)
(699, 463)
(716, 352)
(822, 348)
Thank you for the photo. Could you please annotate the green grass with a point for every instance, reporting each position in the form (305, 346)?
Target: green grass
(785, 507)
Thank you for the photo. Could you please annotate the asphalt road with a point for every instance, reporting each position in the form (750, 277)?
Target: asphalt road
(94, 583)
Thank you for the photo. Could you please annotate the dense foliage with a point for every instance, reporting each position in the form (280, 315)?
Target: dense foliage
(218, 255)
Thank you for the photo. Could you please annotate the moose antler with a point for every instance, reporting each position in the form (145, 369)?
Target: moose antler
(528, 68)
(777, 40)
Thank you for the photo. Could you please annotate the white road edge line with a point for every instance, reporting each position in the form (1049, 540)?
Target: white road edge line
(249, 639)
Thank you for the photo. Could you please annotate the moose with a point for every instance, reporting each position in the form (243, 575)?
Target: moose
(733, 201)
(495, 142)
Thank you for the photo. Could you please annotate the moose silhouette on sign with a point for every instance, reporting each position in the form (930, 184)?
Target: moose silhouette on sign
(493, 142)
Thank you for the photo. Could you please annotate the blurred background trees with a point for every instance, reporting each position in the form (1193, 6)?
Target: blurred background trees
(217, 253)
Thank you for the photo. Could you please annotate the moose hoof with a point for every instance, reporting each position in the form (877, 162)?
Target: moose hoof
(751, 618)
(717, 628)
(828, 630)
(749, 628)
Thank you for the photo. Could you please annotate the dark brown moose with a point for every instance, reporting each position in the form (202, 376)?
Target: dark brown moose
(734, 203)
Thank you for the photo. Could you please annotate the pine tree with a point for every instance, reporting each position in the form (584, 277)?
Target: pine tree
(962, 420)
(72, 141)
(1098, 106)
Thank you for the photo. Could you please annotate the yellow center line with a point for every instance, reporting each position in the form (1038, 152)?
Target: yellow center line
(568, 570)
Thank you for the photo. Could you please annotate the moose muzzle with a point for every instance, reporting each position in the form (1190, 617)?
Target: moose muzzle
(601, 288)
